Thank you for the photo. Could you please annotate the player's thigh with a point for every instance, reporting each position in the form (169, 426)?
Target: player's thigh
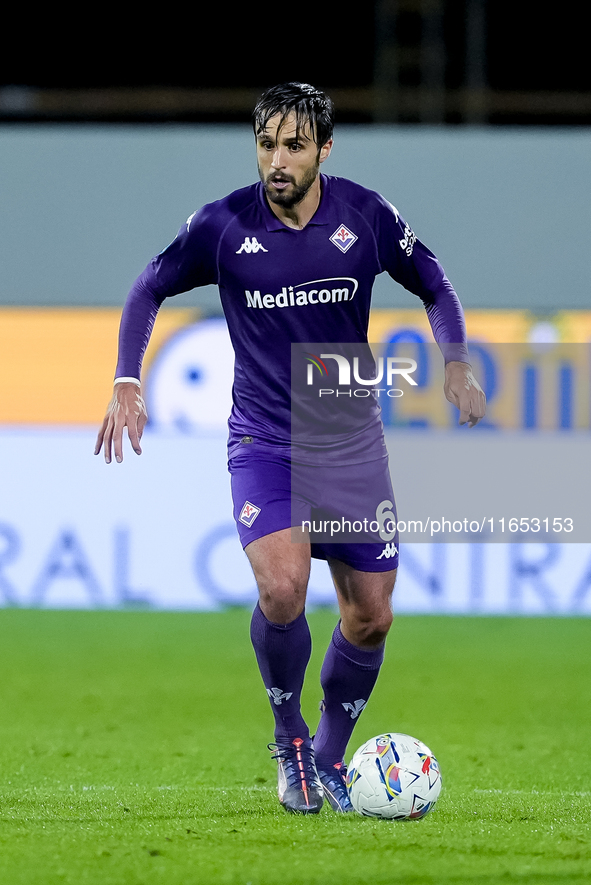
(267, 516)
(260, 482)
(365, 602)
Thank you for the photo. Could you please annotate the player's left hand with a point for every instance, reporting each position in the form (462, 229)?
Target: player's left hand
(463, 390)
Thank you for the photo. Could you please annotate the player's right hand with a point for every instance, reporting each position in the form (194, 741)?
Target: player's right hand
(126, 409)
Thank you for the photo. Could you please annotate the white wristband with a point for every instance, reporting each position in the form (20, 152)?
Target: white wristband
(134, 380)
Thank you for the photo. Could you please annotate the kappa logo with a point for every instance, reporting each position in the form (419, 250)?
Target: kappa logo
(249, 513)
(343, 238)
(278, 696)
(389, 552)
(251, 244)
(356, 708)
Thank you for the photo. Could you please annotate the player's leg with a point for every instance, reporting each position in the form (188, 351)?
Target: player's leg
(351, 667)
(282, 644)
(364, 573)
(262, 494)
(365, 604)
(279, 630)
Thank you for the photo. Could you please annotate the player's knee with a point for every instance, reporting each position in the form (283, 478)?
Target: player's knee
(282, 601)
(372, 631)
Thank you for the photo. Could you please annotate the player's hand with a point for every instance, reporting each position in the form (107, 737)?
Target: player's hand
(463, 390)
(126, 409)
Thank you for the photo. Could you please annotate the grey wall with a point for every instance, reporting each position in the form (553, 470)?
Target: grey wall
(82, 209)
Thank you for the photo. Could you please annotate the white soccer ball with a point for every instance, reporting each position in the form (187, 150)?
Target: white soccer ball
(394, 776)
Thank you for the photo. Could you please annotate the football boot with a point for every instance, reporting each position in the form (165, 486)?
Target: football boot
(334, 785)
(298, 786)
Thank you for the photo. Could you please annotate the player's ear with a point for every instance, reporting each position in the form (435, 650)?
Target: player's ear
(325, 151)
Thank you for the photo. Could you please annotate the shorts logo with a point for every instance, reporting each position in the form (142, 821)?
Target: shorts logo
(343, 238)
(249, 513)
(389, 552)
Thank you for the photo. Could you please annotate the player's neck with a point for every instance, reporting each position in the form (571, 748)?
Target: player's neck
(299, 215)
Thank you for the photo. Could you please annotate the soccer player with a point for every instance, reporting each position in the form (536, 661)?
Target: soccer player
(257, 245)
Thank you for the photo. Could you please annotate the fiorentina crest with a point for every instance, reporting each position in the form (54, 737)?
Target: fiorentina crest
(343, 238)
(249, 513)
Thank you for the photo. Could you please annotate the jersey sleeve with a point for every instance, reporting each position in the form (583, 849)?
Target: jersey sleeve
(188, 262)
(410, 263)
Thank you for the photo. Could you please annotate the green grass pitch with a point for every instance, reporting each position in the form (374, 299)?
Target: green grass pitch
(133, 751)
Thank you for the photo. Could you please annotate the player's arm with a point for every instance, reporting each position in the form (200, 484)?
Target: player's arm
(188, 261)
(410, 263)
(446, 318)
(127, 407)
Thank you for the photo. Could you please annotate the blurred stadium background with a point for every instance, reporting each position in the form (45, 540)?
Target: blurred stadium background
(471, 117)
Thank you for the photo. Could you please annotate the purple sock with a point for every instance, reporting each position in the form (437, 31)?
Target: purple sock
(348, 676)
(283, 652)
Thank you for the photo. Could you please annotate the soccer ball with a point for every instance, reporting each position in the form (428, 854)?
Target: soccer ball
(394, 776)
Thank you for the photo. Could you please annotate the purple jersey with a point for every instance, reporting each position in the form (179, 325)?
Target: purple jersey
(280, 286)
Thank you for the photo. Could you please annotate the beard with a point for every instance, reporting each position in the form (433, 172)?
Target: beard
(293, 195)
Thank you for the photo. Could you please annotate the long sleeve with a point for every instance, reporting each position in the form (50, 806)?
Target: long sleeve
(410, 263)
(137, 322)
(446, 318)
(188, 262)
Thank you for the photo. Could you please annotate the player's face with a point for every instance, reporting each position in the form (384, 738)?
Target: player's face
(288, 160)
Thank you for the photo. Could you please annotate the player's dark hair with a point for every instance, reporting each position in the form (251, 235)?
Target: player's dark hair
(309, 105)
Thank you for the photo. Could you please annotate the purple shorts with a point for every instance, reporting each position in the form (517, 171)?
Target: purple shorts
(349, 510)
